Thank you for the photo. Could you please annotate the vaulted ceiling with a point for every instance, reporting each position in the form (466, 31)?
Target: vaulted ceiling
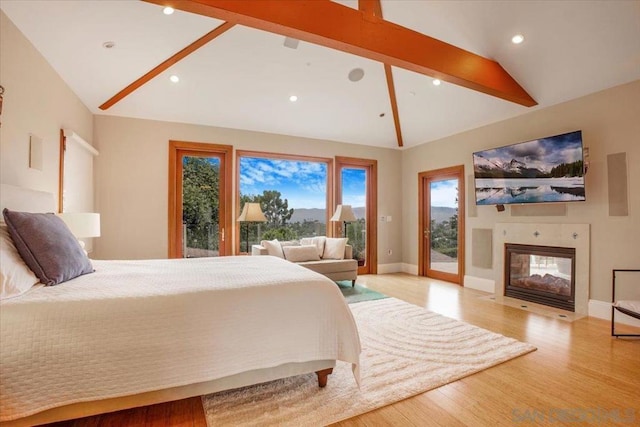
(242, 77)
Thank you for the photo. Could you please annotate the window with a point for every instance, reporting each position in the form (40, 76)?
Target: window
(356, 185)
(293, 192)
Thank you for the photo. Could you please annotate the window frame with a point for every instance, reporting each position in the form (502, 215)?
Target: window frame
(371, 168)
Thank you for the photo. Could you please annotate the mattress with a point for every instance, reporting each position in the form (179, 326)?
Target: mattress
(138, 326)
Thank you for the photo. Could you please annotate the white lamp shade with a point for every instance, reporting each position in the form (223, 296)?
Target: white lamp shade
(82, 224)
(251, 212)
(343, 213)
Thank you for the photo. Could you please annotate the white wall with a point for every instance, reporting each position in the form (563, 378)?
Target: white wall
(610, 121)
(132, 180)
(36, 101)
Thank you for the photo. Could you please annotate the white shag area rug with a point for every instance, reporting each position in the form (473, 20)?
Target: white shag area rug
(406, 350)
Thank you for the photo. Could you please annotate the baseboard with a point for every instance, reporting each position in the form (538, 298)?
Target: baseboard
(480, 284)
(602, 310)
(390, 268)
(410, 268)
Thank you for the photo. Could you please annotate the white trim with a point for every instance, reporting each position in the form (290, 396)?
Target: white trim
(389, 268)
(410, 268)
(602, 310)
(69, 134)
(480, 284)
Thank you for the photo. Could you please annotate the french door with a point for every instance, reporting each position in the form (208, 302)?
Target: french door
(441, 224)
(199, 199)
(356, 185)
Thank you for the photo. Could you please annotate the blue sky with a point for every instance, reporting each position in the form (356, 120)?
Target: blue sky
(444, 193)
(303, 184)
(354, 187)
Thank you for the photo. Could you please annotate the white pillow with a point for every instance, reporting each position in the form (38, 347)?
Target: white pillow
(301, 253)
(318, 241)
(15, 277)
(290, 243)
(334, 248)
(273, 247)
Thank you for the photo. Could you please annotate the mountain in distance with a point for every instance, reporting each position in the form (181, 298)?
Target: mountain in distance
(485, 168)
(438, 213)
(442, 213)
(316, 214)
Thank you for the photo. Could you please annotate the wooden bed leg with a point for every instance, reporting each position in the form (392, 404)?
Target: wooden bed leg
(353, 283)
(322, 376)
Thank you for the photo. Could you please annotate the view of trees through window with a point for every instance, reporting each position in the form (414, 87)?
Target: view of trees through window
(354, 193)
(444, 221)
(292, 194)
(200, 206)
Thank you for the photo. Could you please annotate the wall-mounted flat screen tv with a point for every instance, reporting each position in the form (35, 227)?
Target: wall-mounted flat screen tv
(543, 170)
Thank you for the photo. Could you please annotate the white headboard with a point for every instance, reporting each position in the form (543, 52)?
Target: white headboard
(26, 200)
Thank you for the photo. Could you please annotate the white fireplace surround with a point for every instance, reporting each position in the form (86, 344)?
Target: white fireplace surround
(560, 235)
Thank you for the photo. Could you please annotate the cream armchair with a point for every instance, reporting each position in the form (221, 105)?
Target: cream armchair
(334, 269)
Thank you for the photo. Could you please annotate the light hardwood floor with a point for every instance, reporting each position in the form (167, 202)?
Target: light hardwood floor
(579, 375)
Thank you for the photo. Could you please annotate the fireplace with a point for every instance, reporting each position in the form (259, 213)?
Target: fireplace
(540, 274)
(565, 235)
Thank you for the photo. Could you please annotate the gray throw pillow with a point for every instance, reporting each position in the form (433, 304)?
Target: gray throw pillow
(47, 246)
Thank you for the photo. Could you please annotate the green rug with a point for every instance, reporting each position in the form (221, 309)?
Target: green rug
(358, 293)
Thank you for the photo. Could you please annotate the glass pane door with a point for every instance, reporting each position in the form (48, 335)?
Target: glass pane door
(200, 206)
(354, 193)
(443, 226)
(441, 221)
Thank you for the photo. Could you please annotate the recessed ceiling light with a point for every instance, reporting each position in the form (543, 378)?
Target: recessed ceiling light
(168, 10)
(436, 82)
(108, 45)
(517, 39)
(174, 78)
(293, 98)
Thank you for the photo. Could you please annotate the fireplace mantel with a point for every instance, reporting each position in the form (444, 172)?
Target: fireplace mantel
(559, 235)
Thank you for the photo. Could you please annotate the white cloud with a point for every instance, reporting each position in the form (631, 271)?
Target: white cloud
(354, 200)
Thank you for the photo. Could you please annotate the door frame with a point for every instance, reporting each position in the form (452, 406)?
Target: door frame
(178, 149)
(371, 168)
(424, 205)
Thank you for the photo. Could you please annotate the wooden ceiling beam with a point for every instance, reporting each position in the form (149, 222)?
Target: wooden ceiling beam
(167, 63)
(333, 25)
(370, 7)
(373, 8)
(394, 103)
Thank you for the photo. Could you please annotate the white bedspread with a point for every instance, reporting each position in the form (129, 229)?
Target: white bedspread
(137, 326)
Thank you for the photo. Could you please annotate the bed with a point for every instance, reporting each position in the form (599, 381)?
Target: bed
(135, 333)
